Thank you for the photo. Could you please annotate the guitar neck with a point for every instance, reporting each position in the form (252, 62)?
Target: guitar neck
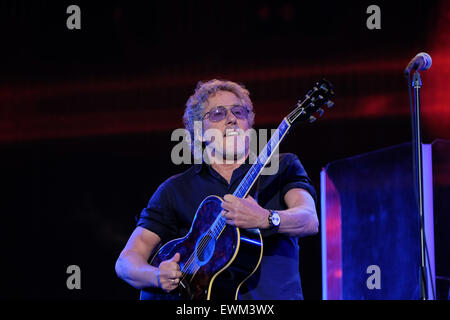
(317, 97)
(263, 158)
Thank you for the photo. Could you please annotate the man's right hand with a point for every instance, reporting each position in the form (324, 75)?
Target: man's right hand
(169, 273)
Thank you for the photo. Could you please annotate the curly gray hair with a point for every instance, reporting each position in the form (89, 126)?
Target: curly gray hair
(195, 106)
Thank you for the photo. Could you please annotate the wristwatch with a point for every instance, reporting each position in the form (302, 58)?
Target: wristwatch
(274, 219)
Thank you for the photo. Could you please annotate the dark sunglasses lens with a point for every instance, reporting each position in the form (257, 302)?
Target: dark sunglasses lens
(217, 114)
(240, 112)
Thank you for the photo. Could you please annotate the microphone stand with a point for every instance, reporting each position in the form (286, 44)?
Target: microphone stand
(418, 164)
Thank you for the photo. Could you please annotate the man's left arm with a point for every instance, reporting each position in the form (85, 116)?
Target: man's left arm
(299, 220)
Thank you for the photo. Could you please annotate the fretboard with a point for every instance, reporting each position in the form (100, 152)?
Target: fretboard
(263, 158)
(254, 172)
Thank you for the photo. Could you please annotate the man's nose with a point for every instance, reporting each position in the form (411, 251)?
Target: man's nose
(231, 118)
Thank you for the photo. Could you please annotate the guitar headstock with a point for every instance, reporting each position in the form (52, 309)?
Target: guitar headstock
(318, 97)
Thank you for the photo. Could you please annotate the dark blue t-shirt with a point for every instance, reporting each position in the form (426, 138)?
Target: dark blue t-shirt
(172, 208)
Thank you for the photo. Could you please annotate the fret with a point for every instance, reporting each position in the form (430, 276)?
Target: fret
(264, 156)
(303, 112)
(254, 171)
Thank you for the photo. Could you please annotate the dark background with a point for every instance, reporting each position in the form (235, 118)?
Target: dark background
(86, 115)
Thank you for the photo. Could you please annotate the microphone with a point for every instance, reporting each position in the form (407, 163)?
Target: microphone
(422, 61)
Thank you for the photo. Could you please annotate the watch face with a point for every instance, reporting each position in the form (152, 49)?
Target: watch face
(275, 219)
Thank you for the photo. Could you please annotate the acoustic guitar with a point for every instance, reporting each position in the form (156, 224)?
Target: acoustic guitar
(216, 258)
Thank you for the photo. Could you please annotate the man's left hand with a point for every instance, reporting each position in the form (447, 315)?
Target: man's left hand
(244, 213)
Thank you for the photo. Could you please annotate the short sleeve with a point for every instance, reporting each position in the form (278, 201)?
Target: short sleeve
(159, 216)
(294, 176)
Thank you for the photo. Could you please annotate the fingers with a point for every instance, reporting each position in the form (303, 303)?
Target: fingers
(230, 222)
(233, 209)
(228, 211)
(230, 202)
(227, 206)
(229, 217)
(169, 273)
(242, 213)
(234, 203)
(229, 198)
(175, 258)
(168, 281)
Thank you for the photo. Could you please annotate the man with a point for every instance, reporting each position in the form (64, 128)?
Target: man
(225, 106)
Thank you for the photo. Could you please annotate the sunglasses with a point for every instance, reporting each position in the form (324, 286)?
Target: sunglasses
(220, 112)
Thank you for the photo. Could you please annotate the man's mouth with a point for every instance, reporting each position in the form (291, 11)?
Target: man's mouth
(231, 133)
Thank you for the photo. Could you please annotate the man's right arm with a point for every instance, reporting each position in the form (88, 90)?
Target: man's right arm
(132, 265)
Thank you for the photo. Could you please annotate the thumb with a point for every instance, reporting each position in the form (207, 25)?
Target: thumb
(176, 257)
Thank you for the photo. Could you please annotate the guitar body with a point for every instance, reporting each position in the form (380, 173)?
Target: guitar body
(213, 268)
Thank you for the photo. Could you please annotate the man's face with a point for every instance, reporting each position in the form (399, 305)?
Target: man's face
(229, 140)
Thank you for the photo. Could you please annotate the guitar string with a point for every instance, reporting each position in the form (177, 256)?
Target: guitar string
(215, 231)
(218, 225)
(203, 242)
(200, 248)
(189, 267)
(220, 222)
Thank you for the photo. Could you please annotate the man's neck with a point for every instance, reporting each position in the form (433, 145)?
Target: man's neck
(226, 168)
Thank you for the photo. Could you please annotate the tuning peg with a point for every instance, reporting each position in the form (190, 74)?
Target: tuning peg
(330, 104)
(320, 111)
(312, 119)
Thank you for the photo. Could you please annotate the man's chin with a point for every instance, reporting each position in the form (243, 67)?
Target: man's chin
(234, 157)
(229, 157)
